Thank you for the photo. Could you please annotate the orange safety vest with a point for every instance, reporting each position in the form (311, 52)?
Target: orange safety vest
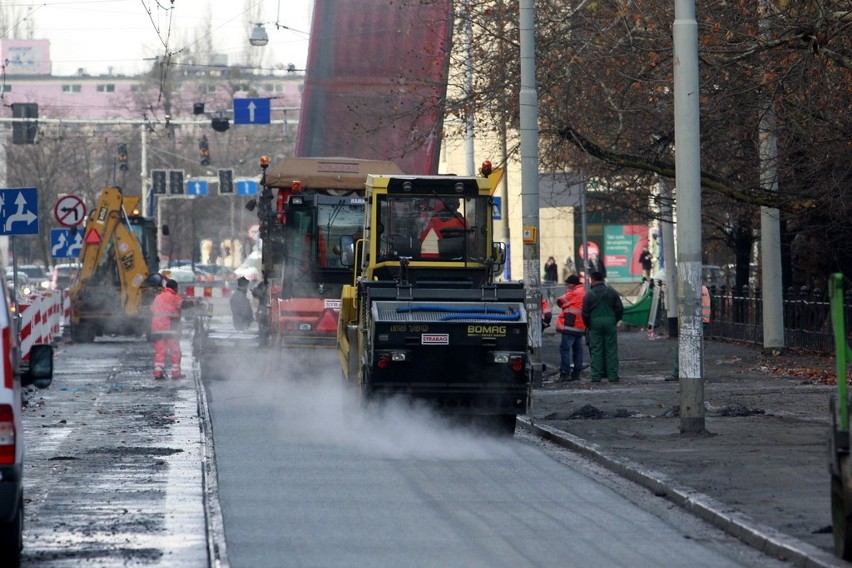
(433, 232)
(164, 310)
(571, 303)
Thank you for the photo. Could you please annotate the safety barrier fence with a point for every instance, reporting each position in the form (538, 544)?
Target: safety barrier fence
(193, 291)
(738, 315)
(40, 319)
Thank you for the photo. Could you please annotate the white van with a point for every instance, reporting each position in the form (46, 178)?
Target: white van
(13, 376)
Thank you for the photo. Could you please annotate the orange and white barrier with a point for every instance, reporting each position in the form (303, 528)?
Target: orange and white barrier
(205, 292)
(66, 309)
(40, 320)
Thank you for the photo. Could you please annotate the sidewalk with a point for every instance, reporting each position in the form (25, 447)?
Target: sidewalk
(765, 452)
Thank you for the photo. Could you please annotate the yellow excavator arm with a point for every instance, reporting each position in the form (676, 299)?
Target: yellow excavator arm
(109, 290)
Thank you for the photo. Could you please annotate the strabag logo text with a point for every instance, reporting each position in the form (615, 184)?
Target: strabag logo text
(435, 339)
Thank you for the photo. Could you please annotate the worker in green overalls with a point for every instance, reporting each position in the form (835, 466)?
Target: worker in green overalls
(602, 310)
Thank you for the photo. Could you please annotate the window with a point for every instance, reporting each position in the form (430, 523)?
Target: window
(433, 228)
(7, 88)
(71, 88)
(106, 88)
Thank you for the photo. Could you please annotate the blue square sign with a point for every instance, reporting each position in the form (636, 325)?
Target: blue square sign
(246, 187)
(19, 211)
(196, 187)
(251, 111)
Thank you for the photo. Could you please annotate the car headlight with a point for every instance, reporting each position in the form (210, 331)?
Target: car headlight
(44, 284)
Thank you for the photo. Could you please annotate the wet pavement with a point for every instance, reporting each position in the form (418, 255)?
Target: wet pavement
(758, 471)
(113, 466)
(118, 464)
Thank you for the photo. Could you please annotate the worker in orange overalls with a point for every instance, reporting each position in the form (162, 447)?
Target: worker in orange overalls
(165, 329)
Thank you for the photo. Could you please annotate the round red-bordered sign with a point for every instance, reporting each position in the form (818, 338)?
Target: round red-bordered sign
(69, 211)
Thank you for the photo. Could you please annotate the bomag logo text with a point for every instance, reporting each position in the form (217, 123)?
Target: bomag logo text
(487, 330)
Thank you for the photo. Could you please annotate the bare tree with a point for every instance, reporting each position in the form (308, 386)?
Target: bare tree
(604, 74)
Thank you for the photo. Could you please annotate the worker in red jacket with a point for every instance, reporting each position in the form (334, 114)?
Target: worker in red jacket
(443, 237)
(570, 324)
(165, 329)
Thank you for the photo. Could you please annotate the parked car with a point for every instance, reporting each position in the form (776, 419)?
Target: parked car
(63, 276)
(213, 273)
(38, 275)
(24, 288)
(180, 275)
(13, 376)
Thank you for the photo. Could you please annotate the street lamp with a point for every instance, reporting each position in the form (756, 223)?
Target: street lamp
(258, 37)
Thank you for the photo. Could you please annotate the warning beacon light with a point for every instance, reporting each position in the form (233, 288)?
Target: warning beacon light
(486, 168)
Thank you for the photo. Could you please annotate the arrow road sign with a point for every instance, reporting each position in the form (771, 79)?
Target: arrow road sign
(251, 111)
(496, 207)
(69, 211)
(196, 187)
(19, 211)
(246, 187)
(65, 245)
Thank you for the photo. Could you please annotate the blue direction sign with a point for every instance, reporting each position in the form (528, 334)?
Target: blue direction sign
(496, 207)
(246, 187)
(196, 187)
(19, 211)
(251, 111)
(65, 245)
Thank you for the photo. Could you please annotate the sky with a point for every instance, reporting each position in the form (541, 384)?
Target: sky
(97, 35)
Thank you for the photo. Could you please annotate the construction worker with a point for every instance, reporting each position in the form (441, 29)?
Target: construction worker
(570, 325)
(165, 330)
(602, 310)
(241, 311)
(444, 235)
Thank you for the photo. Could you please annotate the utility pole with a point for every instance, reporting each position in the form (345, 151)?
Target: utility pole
(770, 224)
(529, 184)
(669, 258)
(688, 179)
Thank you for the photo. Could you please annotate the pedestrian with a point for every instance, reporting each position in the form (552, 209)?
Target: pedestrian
(602, 310)
(241, 312)
(647, 262)
(165, 330)
(551, 277)
(596, 264)
(568, 267)
(570, 324)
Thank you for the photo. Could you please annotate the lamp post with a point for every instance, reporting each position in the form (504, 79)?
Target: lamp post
(258, 37)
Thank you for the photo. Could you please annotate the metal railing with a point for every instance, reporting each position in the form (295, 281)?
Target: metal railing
(738, 315)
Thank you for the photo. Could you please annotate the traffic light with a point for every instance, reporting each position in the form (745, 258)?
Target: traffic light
(226, 181)
(176, 182)
(204, 151)
(24, 132)
(158, 182)
(122, 156)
